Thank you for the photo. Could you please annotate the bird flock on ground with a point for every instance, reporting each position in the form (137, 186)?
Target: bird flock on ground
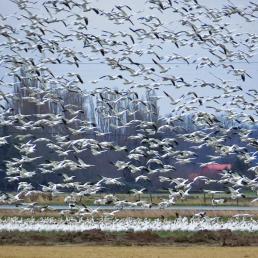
(59, 45)
(127, 224)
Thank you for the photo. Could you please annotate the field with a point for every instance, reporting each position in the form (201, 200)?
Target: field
(97, 243)
(126, 252)
(220, 238)
(128, 213)
(192, 199)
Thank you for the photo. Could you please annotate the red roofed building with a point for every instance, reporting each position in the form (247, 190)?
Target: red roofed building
(210, 170)
(216, 167)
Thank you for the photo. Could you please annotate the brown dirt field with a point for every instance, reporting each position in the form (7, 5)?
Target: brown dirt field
(98, 238)
(126, 252)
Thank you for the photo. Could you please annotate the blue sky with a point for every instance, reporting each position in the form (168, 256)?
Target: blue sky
(91, 71)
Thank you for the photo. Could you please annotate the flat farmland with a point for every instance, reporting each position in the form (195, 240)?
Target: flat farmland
(126, 252)
(155, 198)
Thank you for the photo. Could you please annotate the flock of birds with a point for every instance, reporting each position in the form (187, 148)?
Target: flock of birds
(134, 50)
(126, 225)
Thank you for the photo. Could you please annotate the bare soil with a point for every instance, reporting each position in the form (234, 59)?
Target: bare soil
(97, 237)
(79, 251)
